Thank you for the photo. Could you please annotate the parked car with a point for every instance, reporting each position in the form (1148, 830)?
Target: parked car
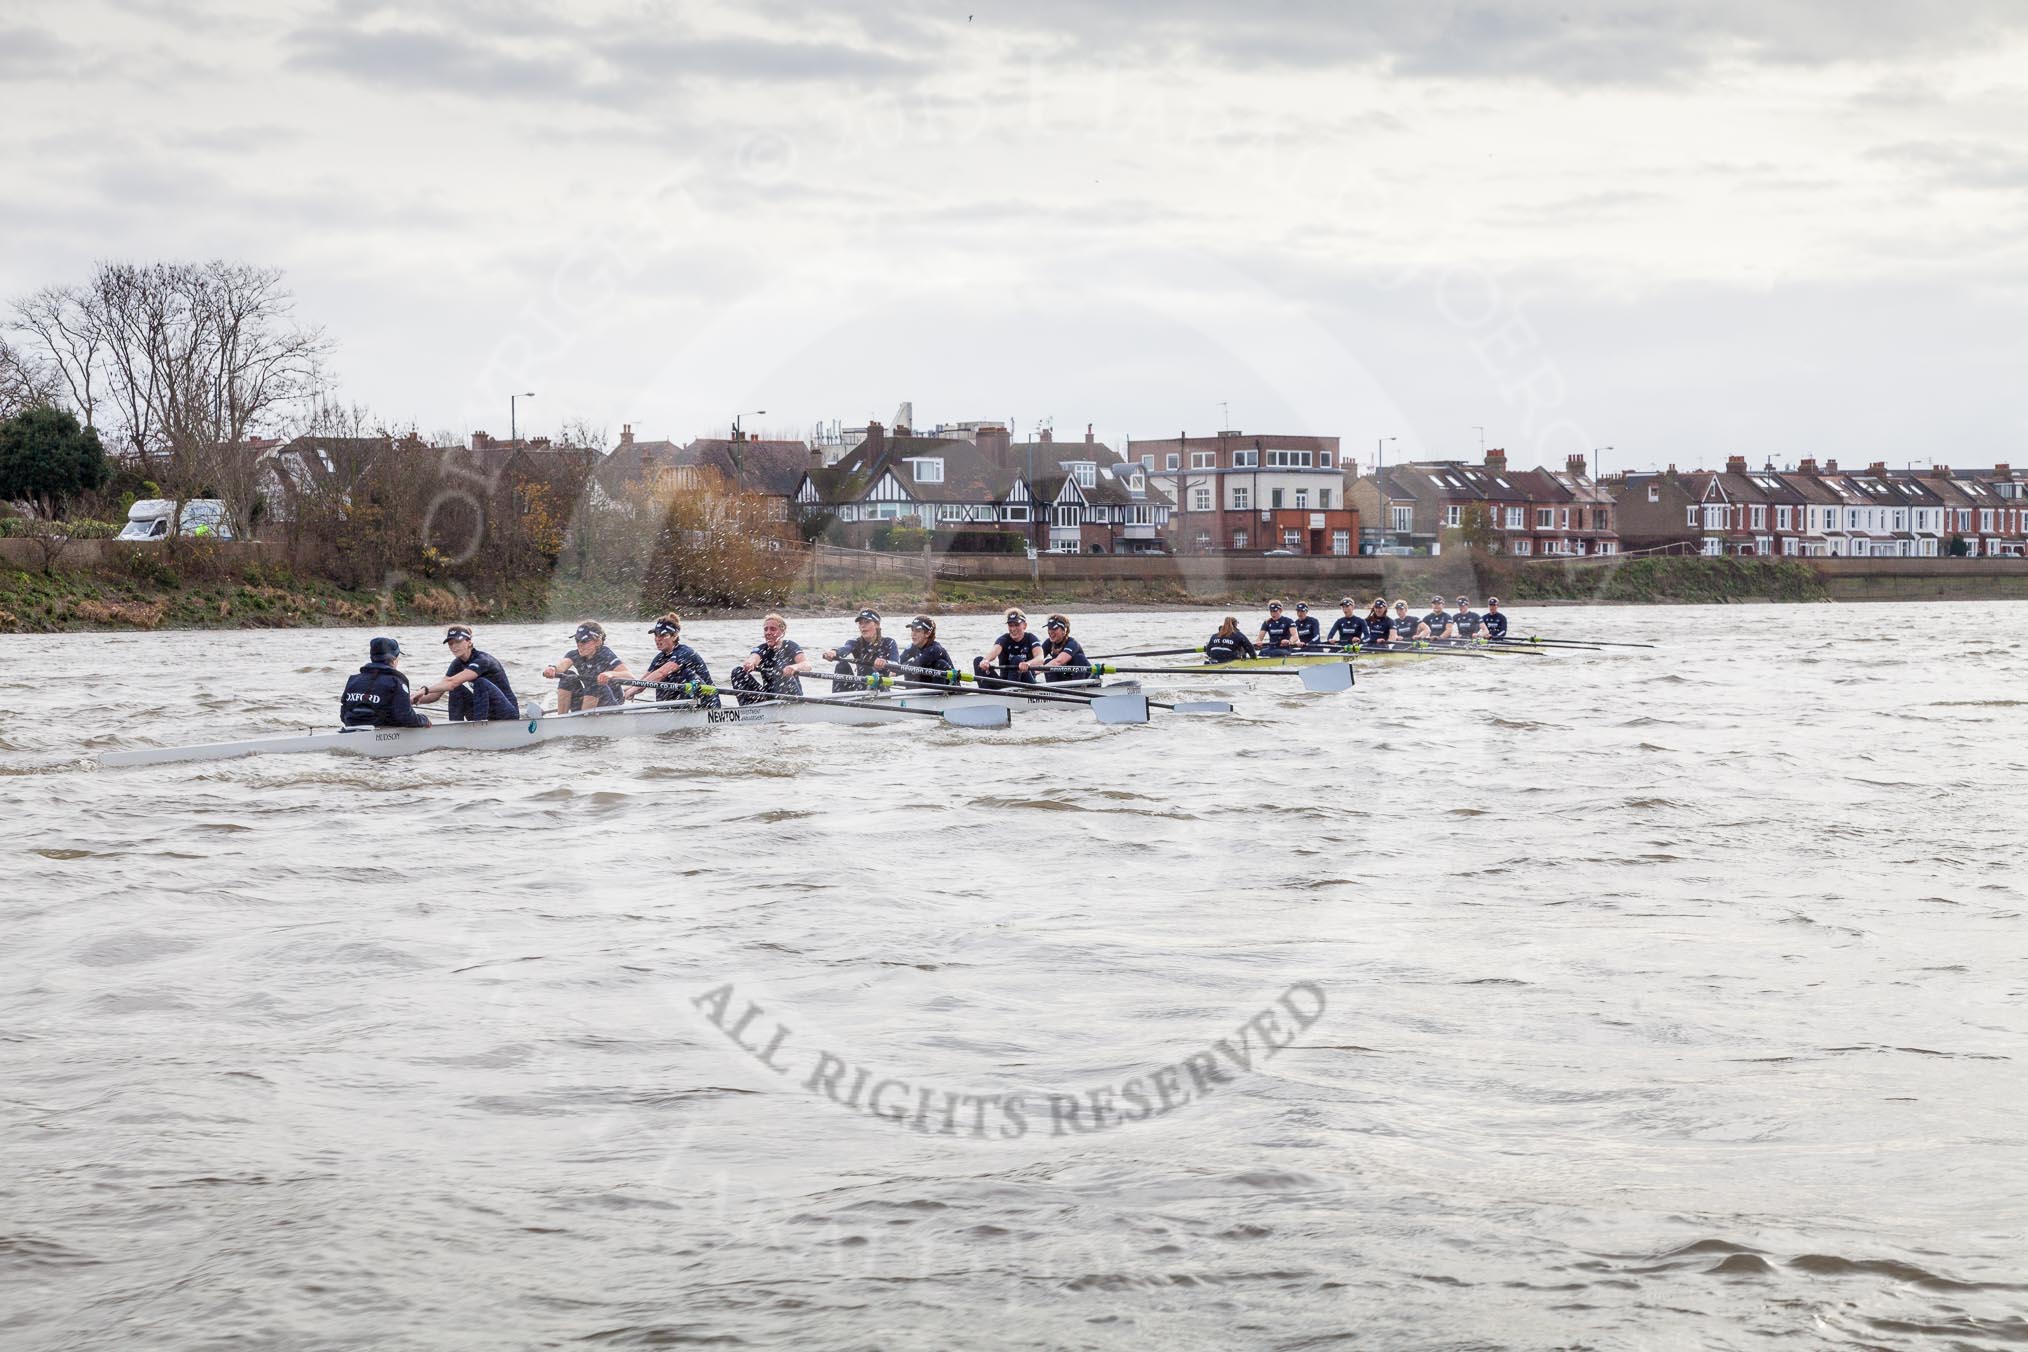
(148, 519)
(1281, 554)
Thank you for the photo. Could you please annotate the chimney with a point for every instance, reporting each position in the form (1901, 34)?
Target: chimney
(876, 438)
(1878, 469)
(1048, 436)
(1735, 464)
(995, 442)
(1496, 460)
(2003, 471)
(1939, 471)
(1672, 469)
(1087, 434)
(481, 442)
(1574, 466)
(1807, 465)
(816, 458)
(1830, 467)
(626, 434)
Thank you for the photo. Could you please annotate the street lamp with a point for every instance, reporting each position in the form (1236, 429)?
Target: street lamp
(1380, 455)
(514, 427)
(751, 413)
(1598, 463)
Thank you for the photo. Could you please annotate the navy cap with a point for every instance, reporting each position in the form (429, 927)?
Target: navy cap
(1303, 606)
(921, 622)
(1014, 615)
(1464, 600)
(585, 631)
(381, 649)
(865, 615)
(1347, 602)
(1274, 605)
(661, 627)
(456, 632)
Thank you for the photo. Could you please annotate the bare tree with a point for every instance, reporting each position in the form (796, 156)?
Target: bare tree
(66, 329)
(24, 381)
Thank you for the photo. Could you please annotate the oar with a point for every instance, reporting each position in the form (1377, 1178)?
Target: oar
(1325, 678)
(970, 716)
(1108, 709)
(1571, 642)
(1149, 652)
(1431, 647)
(1060, 689)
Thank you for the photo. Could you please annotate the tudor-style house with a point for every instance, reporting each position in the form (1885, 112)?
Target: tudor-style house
(1062, 497)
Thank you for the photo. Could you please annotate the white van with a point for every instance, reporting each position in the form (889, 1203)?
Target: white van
(148, 519)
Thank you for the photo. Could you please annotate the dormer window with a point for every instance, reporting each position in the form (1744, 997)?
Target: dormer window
(929, 470)
(1084, 471)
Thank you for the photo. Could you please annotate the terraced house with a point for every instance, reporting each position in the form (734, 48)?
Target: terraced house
(1524, 513)
(1243, 492)
(1061, 497)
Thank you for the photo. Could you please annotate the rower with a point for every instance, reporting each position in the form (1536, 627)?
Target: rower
(377, 697)
(1438, 621)
(1348, 630)
(859, 656)
(1496, 623)
(1406, 627)
(475, 681)
(1466, 620)
(923, 649)
(776, 665)
(584, 678)
(1006, 657)
(1307, 628)
(1059, 650)
(674, 661)
(1378, 626)
(1274, 632)
(1228, 644)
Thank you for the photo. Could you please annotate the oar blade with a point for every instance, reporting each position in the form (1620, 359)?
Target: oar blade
(1202, 706)
(1328, 679)
(1116, 709)
(978, 716)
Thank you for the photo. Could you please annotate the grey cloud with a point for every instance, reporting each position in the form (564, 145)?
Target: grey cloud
(413, 59)
(750, 59)
(31, 53)
(1959, 164)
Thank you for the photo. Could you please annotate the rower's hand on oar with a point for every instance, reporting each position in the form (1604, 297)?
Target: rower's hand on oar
(830, 654)
(880, 664)
(550, 673)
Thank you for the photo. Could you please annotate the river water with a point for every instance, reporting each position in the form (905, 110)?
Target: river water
(1666, 998)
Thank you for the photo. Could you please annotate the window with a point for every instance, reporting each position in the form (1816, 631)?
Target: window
(1288, 459)
(1985, 519)
(1324, 459)
(1200, 499)
(1521, 546)
(1454, 516)
(1302, 499)
(1067, 516)
(1691, 512)
(1402, 518)
(1341, 542)
(1204, 539)
(1759, 517)
(1324, 498)
(1566, 518)
(1137, 483)
(1545, 518)
(928, 471)
(1275, 498)
(1246, 459)
(1203, 459)
(1019, 513)
(1714, 516)
(1517, 518)
(1654, 493)
(1239, 539)
(1239, 497)
(1603, 516)
(1148, 462)
(1785, 518)
(1172, 460)
(1085, 472)
(951, 511)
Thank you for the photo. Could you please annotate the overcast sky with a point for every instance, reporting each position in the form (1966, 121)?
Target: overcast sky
(1681, 230)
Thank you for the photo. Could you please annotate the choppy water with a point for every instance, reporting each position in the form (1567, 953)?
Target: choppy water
(1672, 999)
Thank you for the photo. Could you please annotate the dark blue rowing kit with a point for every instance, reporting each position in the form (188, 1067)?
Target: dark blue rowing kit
(680, 663)
(1229, 648)
(1307, 629)
(1467, 623)
(1277, 631)
(769, 677)
(1347, 629)
(931, 656)
(488, 696)
(1077, 659)
(1496, 624)
(582, 678)
(1013, 652)
(378, 698)
(856, 657)
(1379, 629)
(1437, 622)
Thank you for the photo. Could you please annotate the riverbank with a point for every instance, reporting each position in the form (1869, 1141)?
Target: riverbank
(228, 594)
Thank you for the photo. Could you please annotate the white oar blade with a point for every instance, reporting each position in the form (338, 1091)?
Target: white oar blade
(978, 716)
(1202, 706)
(1112, 709)
(1329, 678)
